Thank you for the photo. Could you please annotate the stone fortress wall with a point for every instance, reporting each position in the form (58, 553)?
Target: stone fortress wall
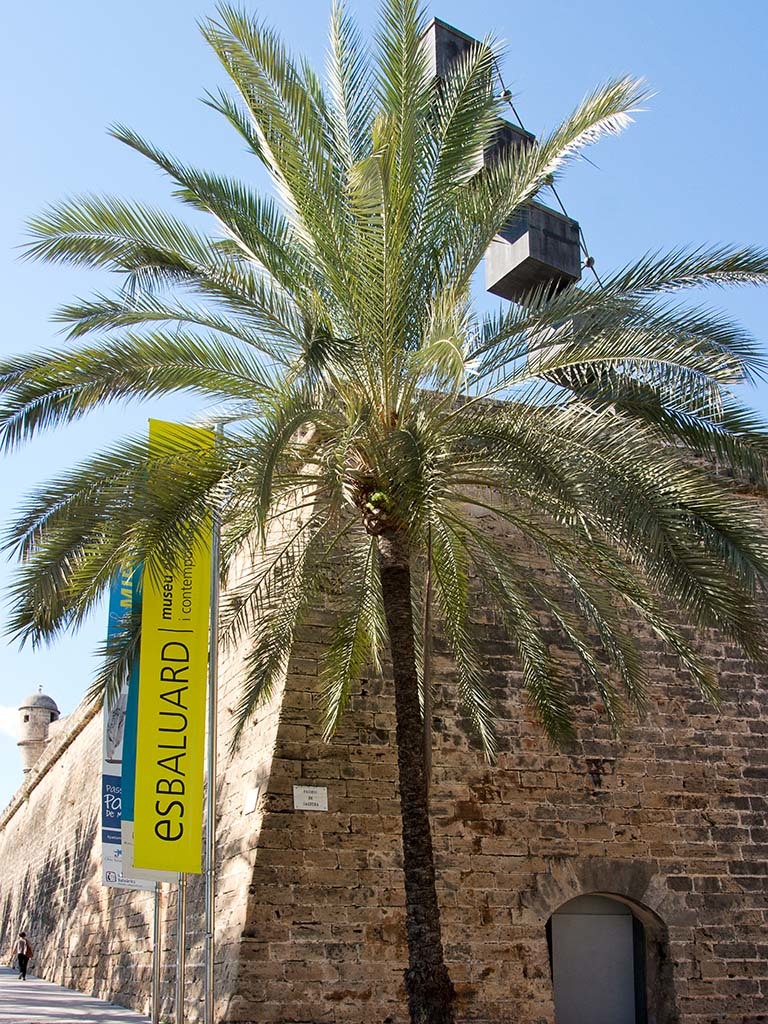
(98, 939)
(310, 918)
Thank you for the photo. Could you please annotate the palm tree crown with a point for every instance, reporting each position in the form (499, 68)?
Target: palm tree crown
(379, 430)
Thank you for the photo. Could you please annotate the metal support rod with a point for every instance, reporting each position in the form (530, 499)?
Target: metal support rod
(210, 816)
(156, 958)
(181, 946)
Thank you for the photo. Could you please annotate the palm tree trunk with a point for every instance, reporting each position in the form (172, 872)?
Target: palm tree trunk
(429, 987)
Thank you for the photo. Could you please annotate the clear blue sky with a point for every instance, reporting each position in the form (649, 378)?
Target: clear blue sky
(691, 170)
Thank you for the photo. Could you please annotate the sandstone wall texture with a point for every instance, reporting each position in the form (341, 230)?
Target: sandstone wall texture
(671, 818)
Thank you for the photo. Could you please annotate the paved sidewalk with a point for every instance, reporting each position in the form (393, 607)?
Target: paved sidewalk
(35, 1001)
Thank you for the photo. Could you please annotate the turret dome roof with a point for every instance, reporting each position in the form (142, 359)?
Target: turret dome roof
(39, 700)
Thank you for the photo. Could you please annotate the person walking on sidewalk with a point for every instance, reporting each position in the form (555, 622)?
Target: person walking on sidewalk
(24, 954)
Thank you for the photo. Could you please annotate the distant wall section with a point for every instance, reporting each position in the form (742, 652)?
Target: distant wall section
(97, 939)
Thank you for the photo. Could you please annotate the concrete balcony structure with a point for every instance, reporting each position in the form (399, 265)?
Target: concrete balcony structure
(445, 45)
(538, 246)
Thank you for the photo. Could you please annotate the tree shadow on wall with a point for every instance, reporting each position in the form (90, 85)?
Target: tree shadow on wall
(15, 911)
(44, 902)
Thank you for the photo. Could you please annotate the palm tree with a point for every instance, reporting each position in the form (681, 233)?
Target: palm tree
(385, 442)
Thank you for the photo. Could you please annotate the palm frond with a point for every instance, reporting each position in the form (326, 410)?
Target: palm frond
(109, 233)
(358, 637)
(257, 227)
(53, 388)
(691, 268)
(293, 138)
(350, 95)
(449, 568)
(300, 581)
(129, 505)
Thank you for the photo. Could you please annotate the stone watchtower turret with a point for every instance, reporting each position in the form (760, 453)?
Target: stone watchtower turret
(36, 713)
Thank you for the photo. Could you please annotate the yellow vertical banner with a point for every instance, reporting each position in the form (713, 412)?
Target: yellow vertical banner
(173, 667)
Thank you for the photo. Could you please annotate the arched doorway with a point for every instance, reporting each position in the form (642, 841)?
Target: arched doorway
(597, 950)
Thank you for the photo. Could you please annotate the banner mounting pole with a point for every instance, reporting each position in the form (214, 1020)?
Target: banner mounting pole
(181, 945)
(156, 957)
(210, 817)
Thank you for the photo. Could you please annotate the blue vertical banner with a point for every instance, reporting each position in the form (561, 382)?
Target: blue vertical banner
(122, 596)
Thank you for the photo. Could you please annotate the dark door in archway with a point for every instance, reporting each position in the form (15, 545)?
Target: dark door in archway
(595, 960)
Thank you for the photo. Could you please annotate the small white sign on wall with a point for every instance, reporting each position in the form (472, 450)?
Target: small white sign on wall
(310, 798)
(251, 799)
